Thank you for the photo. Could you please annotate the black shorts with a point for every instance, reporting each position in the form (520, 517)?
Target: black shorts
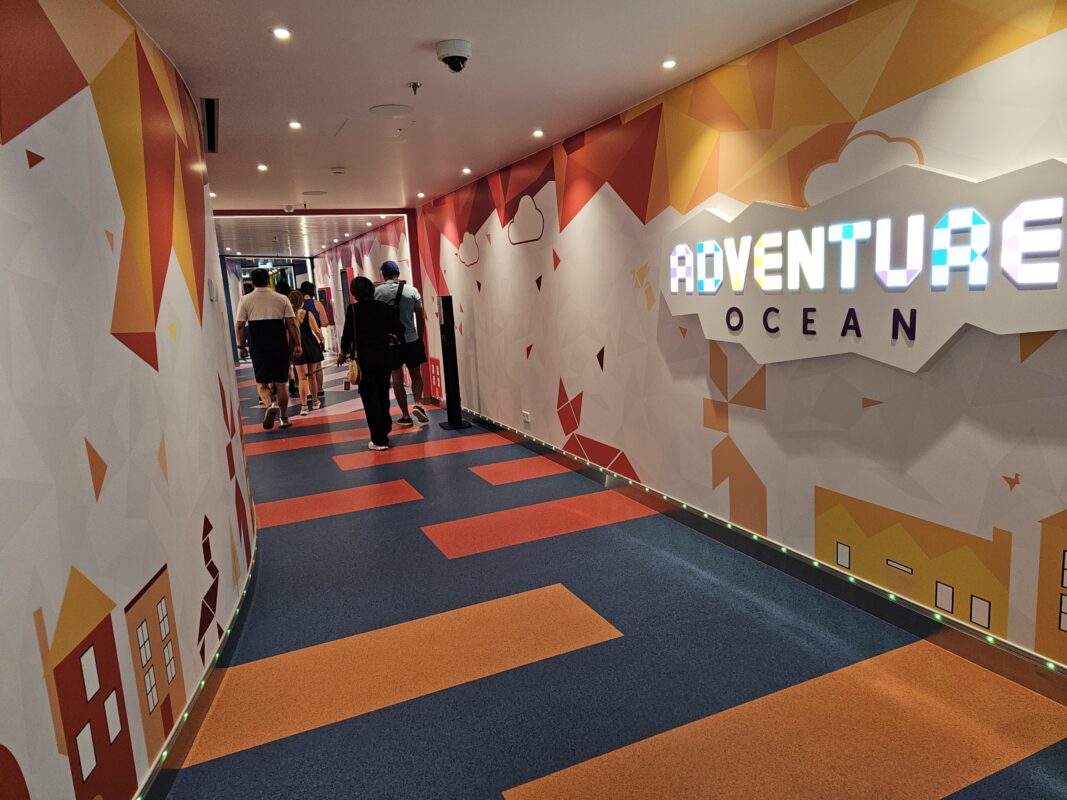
(270, 364)
(409, 354)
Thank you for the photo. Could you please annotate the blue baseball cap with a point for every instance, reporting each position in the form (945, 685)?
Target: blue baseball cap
(390, 268)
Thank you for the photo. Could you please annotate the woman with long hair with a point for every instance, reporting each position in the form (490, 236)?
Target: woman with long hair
(368, 326)
(309, 363)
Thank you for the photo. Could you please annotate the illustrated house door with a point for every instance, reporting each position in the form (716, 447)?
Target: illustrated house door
(168, 716)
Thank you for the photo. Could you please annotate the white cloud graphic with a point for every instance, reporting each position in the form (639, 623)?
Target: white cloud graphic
(529, 222)
(468, 250)
(865, 156)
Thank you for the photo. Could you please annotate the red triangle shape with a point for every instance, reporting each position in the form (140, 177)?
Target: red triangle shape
(600, 358)
(479, 285)
(555, 261)
(529, 349)
(538, 282)
(33, 159)
(561, 396)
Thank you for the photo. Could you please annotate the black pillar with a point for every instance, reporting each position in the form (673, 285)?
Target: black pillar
(450, 366)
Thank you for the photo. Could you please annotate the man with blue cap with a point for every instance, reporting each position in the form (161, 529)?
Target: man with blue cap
(411, 352)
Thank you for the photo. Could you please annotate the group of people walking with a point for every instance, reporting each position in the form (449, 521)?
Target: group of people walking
(384, 331)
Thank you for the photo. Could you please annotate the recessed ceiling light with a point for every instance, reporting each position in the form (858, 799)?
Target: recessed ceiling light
(295, 125)
(212, 194)
(261, 167)
(238, 252)
(537, 134)
(466, 170)
(335, 240)
(421, 195)
(344, 234)
(282, 33)
(227, 249)
(670, 63)
(381, 216)
(369, 224)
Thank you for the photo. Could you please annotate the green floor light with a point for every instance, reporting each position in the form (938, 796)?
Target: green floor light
(1050, 665)
(937, 617)
(685, 507)
(784, 550)
(990, 639)
(815, 563)
(851, 578)
(163, 756)
(755, 536)
(185, 717)
(729, 525)
(893, 597)
(202, 684)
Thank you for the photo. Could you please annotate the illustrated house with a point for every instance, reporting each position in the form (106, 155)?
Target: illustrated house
(153, 639)
(81, 672)
(1051, 634)
(959, 574)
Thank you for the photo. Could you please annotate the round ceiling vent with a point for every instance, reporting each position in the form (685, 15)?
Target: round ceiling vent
(391, 110)
(314, 193)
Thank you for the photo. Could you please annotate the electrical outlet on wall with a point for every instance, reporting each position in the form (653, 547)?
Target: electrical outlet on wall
(526, 417)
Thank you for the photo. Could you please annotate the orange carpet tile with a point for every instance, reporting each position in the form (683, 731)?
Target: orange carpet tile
(916, 722)
(329, 504)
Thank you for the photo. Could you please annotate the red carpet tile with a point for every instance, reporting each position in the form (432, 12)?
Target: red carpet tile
(329, 504)
(521, 469)
(411, 452)
(464, 537)
(313, 440)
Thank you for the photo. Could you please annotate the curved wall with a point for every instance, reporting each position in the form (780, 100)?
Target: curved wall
(957, 472)
(126, 532)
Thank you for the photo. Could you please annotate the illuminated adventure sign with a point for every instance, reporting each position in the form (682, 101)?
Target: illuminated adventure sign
(891, 269)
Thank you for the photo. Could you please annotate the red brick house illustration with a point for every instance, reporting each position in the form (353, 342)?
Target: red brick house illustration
(12, 784)
(154, 645)
(81, 671)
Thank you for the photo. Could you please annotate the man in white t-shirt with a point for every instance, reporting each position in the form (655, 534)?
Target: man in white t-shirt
(410, 353)
(270, 320)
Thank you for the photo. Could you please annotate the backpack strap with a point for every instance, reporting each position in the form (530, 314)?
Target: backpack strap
(399, 294)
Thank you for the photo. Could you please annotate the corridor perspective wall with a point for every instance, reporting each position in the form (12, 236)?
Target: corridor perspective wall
(947, 486)
(126, 528)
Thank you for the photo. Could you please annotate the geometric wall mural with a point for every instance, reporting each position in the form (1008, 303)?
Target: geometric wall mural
(115, 452)
(957, 473)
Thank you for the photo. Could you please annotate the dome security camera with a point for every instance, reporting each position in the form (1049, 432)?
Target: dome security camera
(455, 53)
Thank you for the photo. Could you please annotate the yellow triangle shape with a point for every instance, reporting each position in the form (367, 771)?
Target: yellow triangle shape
(97, 468)
(161, 457)
(800, 96)
(689, 146)
(183, 247)
(164, 74)
(1026, 14)
(83, 607)
(791, 138)
(735, 86)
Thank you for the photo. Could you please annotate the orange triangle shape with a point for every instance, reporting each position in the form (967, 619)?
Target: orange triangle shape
(110, 240)
(97, 468)
(868, 402)
(1030, 342)
(754, 393)
(683, 331)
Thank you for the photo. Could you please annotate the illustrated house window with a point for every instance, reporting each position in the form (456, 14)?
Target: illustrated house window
(114, 721)
(142, 642)
(1063, 580)
(898, 565)
(943, 597)
(86, 753)
(844, 555)
(164, 619)
(979, 611)
(89, 676)
(168, 656)
(150, 689)
(1063, 612)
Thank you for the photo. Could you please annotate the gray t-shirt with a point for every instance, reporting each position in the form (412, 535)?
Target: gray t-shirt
(410, 303)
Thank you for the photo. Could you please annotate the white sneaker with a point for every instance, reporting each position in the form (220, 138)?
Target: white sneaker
(373, 446)
(315, 406)
(303, 411)
(269, 417)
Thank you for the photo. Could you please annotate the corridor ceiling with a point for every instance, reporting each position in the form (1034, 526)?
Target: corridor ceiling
(548, 64)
